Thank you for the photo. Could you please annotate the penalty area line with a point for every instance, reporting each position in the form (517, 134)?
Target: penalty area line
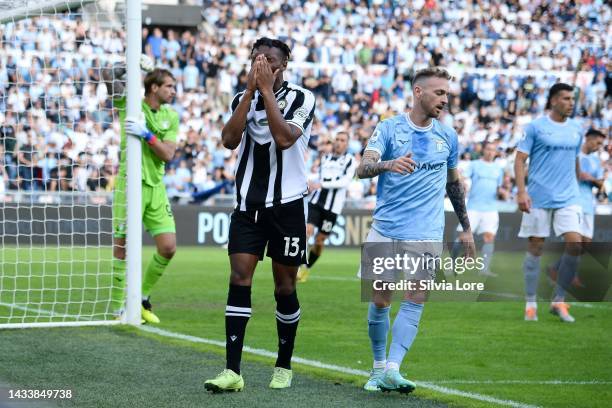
(336, 368)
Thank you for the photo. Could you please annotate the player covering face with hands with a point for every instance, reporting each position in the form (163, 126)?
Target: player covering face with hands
(270, 125)
(415, 158)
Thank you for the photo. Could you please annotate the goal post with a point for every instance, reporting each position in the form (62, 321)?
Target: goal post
(59, 155)
(134, 171)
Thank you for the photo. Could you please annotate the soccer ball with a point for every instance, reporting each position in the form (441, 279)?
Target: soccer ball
(146, 63)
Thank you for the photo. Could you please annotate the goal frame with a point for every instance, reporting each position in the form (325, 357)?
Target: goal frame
(133, 22)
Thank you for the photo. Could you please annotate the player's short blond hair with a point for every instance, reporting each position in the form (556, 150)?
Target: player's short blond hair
(430, 72)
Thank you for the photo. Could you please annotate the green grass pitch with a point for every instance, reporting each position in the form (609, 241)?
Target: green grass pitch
(482, 348)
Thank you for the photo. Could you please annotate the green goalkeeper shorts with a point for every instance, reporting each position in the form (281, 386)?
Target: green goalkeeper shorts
(156, 211)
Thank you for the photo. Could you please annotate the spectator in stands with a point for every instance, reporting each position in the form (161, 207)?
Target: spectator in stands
(27, 163)
(9, 145)
(200, 176)
(172, 183)
(154, 44)
(3, 179)
(191, 76)
(183, 176)
(47, 165)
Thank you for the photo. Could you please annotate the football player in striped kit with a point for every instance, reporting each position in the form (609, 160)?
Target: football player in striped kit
(336, 171)
(270, 126)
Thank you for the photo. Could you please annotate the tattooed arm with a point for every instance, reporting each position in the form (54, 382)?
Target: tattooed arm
(456, 194)
(370, 165)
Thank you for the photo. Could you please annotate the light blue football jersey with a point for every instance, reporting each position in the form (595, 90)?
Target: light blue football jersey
(552, 148)
(486, 178)
(411, 207)
(589, 163)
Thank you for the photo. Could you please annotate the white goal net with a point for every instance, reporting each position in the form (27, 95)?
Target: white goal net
(59, 153)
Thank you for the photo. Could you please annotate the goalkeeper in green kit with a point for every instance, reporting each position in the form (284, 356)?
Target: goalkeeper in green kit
(157, 131)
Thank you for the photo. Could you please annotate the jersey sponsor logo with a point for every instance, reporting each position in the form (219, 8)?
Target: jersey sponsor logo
(263, 122)
(429, 166)
(553, 148)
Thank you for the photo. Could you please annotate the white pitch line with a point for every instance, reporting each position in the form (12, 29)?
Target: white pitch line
(526, 382)
(598, 305)
(333, 367)
(334, 278)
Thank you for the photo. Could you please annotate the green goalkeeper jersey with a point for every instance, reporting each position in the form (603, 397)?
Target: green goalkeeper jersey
(164, 123)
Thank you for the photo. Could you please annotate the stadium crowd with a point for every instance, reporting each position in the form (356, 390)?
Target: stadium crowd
(57, 131)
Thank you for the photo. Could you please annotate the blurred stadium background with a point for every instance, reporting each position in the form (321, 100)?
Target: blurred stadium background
(59, 148)
(357, 57)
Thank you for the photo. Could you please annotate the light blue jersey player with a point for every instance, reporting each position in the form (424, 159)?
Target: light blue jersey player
(591, 175)
(415, 157)
(486, 179)
(552, 144)
(418, 200)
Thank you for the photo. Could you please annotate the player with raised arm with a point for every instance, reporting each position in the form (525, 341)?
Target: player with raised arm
(336, 171)
(270, 124)
(158, 132)
(552, 144)
(415, 157)
(486, 178)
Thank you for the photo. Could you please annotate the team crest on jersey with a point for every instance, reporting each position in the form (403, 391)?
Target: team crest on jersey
(165, 124)
(282, 104)
(439, 145)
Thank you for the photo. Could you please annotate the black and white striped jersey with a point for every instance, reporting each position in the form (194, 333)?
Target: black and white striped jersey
(335, 174)
(266, 175)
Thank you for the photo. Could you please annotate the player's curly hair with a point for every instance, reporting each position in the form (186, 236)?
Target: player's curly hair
(156, 77)
(272, 42)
